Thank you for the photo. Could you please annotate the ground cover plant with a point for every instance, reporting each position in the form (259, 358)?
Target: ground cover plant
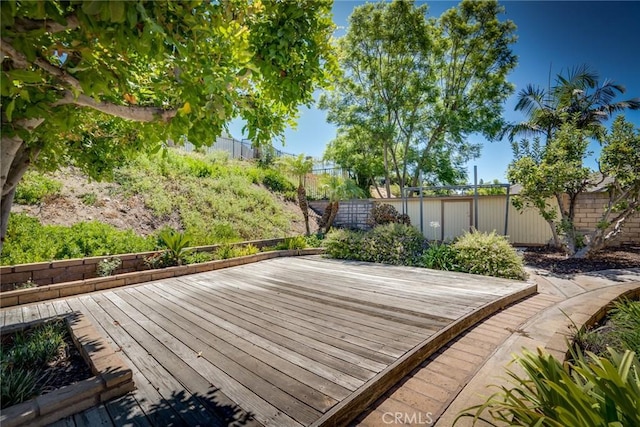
(211, 198)
(37, 360)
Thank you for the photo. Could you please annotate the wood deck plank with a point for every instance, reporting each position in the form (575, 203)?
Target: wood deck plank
(285, 314)
(232, 345)
(289, 349)
(202, 350)
(368, 358)
(175, 372)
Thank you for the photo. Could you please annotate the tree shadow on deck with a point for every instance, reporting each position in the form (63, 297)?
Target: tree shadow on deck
(180, 409)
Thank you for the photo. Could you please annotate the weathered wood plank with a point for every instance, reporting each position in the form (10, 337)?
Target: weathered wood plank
(239, 349)
(327, 354)
(93, 417)
(287, 315)
(61, 307)
(125, 411)
(364, 357)
(46, 309)
(157, 409)
(13, 316)
(300, 358)
(166, 373)
(243, 368)
(30, 313)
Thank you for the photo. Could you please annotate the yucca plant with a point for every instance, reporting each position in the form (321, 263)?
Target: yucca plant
(591, 391)
(176, 243)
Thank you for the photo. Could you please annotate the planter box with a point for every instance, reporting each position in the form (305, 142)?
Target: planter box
(112, 378)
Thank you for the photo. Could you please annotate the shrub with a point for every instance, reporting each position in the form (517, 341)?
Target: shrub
(439, 257)
(397, 244)
(382, 214)
(228, 251)
(107, 266)
(35, 188)
(344, 244)
(23, 361)
(297, 242)
(315, 240)
(489, 255)
(197, 257)
(277, 182)
(593, 391)
(30, 241)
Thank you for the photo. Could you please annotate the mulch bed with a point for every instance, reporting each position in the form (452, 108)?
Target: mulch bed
(557, 262)
(67, 369)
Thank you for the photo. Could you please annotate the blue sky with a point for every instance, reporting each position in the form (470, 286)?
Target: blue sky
(555, 35)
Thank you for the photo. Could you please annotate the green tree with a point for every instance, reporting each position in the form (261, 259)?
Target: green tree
(337, 189)
(578, 95)
(71, 69)
(552, 177)
(419, 87)
(570, 112)
(299, 167)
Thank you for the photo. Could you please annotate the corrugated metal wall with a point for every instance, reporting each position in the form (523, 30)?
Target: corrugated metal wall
(524, 228)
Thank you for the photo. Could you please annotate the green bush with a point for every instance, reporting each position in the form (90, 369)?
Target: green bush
(35, 188)
(177, 244)
(315, 240)
(440, 257)
(397, 244)
(297, 242)
(592, 391)
(197, 257)
(30, 241)
(107, 266)
(488, 254)
(344, 244)
(277, 182)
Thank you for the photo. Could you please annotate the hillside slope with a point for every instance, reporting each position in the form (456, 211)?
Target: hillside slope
(212, 198)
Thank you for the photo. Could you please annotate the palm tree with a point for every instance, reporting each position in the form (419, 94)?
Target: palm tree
(578, 96)
(337, 189)
(299, 167)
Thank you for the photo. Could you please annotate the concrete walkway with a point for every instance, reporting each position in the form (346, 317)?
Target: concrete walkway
(460, 375)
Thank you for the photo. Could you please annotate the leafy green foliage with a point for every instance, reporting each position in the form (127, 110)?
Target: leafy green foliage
(620, 332)
(177, 244)
(412, 89)
(23, 359)
(227, 251)
(107, 266)
(396, 244)
(297, 242)
(488, 254)
(592, 391)
(77, 76)
(314, 240)
(35, 188)
(226, 205)
(197, 257)
(440, 257)
(89, 199)
(30, 241)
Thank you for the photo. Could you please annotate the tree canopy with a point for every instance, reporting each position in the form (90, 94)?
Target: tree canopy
(76, 75)
(413, 89)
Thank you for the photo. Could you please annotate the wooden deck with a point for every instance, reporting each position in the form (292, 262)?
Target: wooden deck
(285, 342)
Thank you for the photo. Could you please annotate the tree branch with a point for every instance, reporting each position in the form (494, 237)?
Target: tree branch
(21, 61)
(24, 25)
(135, 113)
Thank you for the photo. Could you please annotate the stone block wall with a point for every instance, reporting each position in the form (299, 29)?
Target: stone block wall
(589, 209)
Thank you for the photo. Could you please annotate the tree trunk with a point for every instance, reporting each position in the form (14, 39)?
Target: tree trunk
(332, 215)
(15, 160)
(304, 206)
